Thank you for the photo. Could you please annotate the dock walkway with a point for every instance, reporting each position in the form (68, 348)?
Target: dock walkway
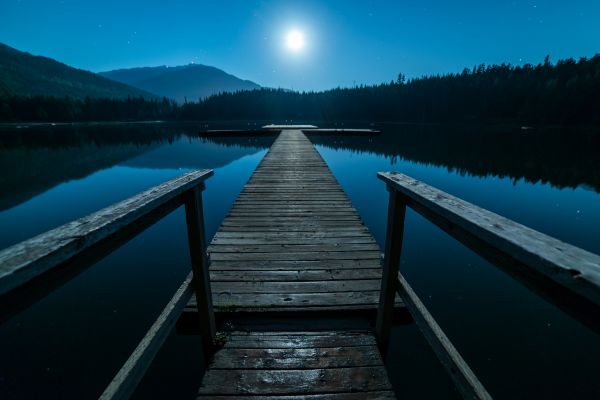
(293, 241)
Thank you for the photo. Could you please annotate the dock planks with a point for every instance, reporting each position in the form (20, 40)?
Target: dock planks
(292, 240)
(297, 365)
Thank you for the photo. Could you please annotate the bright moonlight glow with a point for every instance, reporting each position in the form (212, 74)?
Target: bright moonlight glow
(295, 40)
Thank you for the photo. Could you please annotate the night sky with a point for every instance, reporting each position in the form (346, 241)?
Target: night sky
(345, 42)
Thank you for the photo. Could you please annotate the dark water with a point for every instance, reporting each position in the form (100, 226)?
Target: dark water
(72, 342)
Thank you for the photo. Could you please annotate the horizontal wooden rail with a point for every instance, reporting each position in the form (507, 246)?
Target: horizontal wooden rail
(132, 372)
(93, 237)
(571, 269)
(567, 265)
(29, 259)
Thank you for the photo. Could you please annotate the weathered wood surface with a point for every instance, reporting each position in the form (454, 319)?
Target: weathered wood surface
(26, 260)
(567, 265)
(280, 127)
(294, 365)
(292, 240)
(381, 395)
(194, 217)
(391, 265)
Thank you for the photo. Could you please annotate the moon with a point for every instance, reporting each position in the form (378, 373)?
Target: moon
(294, 40)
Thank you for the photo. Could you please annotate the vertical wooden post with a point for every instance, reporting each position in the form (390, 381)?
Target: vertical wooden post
(391, 264)
(201, 279)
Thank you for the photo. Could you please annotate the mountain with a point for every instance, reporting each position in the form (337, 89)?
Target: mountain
(24, 74)
(193, 81)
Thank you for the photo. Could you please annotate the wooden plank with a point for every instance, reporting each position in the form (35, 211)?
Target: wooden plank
(304, 256)
(375, 395)
(238, 301)
(463, 377)
(194, 217)
(300, 340)
(247, 241)
(296, 287)
(293, 265)
(235, 382)
(293, 228)
(318, 311)
(276, 127)
(567, 265)
(126, 380)
(308, 219)
(282, 333)
(360, 232)
(325, 357)
(391, 264)
(26, 260)
(293, 275)
(306, 228)
(295, 248)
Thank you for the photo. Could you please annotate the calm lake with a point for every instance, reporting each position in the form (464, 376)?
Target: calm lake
(70, 344)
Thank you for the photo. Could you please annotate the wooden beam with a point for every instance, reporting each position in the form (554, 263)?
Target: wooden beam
(131, 373)
(464, 379)
(194, 216)
(567, 265)
(26, 260)
(391, 264)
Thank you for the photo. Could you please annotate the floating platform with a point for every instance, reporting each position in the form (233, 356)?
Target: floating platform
(276, 127)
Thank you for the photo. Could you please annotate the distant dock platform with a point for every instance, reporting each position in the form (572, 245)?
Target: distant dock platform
(273, 129)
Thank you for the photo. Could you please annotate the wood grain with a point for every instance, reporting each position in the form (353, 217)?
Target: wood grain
(292, 240)
(26, 260)
(289, 365)
(567, 265)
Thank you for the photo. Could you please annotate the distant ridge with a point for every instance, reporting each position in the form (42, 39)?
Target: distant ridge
(23, 74)
(191, 82)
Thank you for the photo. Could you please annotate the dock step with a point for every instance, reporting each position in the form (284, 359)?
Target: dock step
(297, 365)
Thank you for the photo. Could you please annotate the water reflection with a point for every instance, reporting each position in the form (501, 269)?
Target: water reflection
(40, 158)
(517, 341)
(563, 158)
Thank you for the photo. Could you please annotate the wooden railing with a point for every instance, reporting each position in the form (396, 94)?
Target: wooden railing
(564, 274)
(29, 265)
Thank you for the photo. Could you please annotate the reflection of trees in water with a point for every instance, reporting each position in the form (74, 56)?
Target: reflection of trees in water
(35, 159)
(67, 135)
(241, 141)
(560, 158)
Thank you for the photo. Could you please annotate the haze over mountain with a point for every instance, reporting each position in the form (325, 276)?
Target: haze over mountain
(191, 82)
(24, 74)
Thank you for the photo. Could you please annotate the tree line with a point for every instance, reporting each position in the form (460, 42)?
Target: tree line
(566, 92)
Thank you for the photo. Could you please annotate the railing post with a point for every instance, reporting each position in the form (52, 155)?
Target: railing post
(201, 280)
(391, 264)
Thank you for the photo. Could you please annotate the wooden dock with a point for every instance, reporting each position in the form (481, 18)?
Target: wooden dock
(293, 241)
(269, 130)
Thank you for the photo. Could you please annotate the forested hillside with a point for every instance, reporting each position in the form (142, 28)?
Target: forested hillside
(564, 93)
(23, 74)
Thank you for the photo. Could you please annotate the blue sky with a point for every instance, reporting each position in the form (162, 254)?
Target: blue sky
(347, 42)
